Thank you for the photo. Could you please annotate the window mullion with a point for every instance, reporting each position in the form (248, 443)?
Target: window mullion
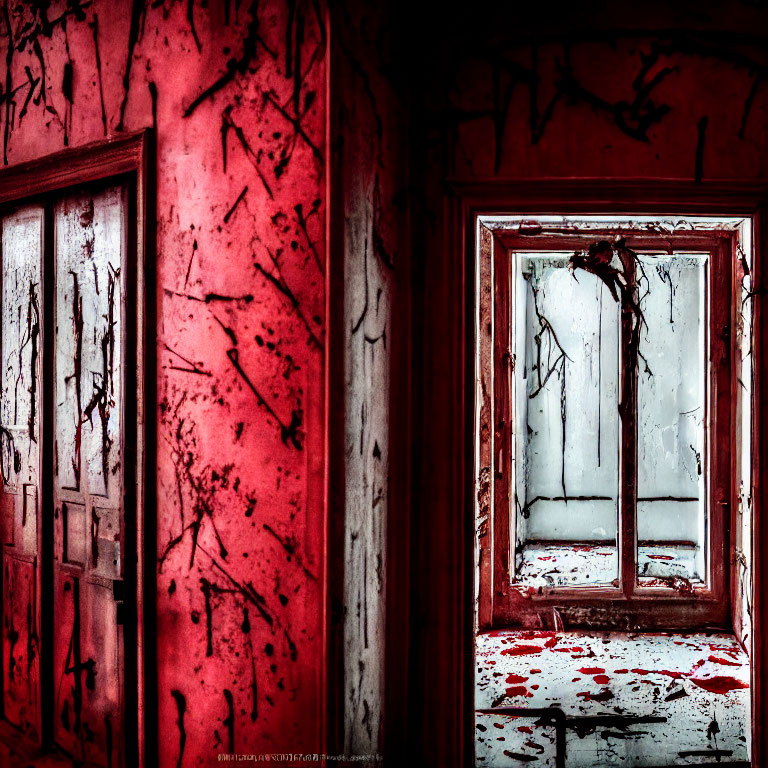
(630, 335)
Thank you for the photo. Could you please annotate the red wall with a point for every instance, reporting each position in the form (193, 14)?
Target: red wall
(236, 92)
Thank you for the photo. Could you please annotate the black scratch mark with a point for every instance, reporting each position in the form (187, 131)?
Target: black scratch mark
(235, 66)
(226, 124)
(247, 590)
(191, 20)
(701, 134)
(192, 366)
(210, 297)
(8, 83)
(230, 721)
(288, 432)
(205, 586)
(94, 25)
(227, 330)
(282, 286)
(153, 95)
(33, 83)
(270, 98)
(228, 214)
(757, 80)
(289, 544)
(137, 22)
(189, 265)
(181, 706)
(303, 226)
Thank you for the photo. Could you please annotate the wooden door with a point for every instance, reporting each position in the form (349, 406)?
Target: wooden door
(20, 324)
(90, 244)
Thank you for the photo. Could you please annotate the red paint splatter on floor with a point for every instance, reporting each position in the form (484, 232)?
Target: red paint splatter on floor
(665, 672)
(718, 660)
(521, 650)
(591, 670)
(719, 684)
(519, 690)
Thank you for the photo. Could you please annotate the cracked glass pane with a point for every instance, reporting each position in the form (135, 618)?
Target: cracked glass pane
(565, 337)
(671, 471)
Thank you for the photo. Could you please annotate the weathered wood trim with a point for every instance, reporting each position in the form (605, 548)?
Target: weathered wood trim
(113, 156)
(630, 603)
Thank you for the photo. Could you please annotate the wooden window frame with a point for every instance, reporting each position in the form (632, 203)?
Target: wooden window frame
(127, 157)
(627, 605)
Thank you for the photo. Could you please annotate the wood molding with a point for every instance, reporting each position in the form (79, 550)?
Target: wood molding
(114, 156)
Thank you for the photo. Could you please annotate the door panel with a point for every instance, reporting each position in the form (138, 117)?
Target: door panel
(89, 251)
(20, 356)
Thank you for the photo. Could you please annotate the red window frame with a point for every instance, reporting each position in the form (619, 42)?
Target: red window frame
(628, 605)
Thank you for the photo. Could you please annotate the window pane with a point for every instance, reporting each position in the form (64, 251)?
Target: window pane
(565, 393)
(672, 464)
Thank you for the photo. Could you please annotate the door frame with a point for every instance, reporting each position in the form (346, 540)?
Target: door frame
(131, 156)
(441, 632)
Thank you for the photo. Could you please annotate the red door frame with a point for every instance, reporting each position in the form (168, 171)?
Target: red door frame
(442, 563)
(128, 155)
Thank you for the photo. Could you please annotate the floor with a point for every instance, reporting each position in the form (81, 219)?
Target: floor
(622, 699)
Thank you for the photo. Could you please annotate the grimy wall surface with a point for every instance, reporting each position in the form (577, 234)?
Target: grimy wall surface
(236, 93)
